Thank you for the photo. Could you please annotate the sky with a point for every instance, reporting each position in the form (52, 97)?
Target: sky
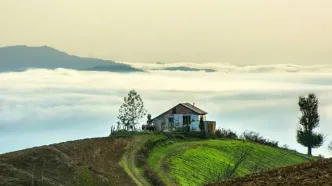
(40, 106)
(205, 31)
(267, 53)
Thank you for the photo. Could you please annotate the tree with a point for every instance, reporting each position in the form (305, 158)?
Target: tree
(149, 121)
(309, 121)
(131, 111)
(201, 125)
(330, 146)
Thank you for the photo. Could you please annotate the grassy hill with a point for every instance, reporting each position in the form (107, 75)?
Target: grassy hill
(200, 162)
(139, 159)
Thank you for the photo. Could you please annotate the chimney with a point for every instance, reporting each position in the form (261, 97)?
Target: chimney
(194, 104)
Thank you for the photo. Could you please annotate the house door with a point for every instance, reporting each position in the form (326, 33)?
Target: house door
(186, 122)
(171, 123)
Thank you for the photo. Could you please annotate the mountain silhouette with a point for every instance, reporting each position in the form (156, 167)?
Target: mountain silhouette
(20, 58)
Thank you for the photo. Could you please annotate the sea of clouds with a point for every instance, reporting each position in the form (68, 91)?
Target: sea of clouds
(40, 106)
(228, 67)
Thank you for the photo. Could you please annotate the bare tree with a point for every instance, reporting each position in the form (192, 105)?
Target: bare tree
(239, 157)
(131, 111)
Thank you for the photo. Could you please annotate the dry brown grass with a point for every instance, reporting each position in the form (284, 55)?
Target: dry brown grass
(62, 164)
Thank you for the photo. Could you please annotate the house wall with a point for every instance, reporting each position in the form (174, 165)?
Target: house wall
(195, 121)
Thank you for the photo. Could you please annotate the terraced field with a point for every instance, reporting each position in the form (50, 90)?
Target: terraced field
(201, 162)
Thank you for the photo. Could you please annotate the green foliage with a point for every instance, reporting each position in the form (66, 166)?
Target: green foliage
(223, 133)
(203, 161)
(131, 111)
(149, 121)
(201, 124)
(113, 130)
(85, 178)
(143, 154)
(309, 121)
(125, 133)
(255, 137)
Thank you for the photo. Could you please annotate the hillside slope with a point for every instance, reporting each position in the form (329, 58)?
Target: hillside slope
(172, 159)
(71, 163)
(311, 173)
(201, 162)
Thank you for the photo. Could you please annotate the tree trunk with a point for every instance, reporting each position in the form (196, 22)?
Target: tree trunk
(309, 151)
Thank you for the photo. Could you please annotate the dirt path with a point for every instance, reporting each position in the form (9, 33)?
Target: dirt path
(128, 161)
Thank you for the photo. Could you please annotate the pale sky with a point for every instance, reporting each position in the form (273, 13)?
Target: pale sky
(233, 31)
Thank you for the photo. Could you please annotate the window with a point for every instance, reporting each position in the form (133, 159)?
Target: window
(186, 120)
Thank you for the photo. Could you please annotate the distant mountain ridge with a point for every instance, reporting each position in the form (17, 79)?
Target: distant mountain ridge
(187, 69)
(20, 58)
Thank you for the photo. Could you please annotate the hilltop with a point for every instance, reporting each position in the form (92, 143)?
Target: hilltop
(20, 58)
(144, 159)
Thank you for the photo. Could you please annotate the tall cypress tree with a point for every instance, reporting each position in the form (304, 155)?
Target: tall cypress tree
(309, 121)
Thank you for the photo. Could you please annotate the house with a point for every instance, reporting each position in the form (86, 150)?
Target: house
(182, 115)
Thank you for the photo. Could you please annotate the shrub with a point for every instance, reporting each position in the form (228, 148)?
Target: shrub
(85, 178)
(148, 127)
(143, 154)
(286, 147)
(222, 133)
(255, 137)
(193, 134)
(152, 175)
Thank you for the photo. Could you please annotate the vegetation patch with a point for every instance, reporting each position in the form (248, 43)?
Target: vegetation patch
(204, 161)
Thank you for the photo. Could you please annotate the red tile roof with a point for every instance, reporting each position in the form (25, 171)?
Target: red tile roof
(189, 106)
(193, 108)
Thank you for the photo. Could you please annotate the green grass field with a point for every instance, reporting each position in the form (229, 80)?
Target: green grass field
(203, 161)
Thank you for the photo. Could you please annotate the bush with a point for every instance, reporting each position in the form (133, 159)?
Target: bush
(152, 175)
(195, 135)
(286, 147)
(222, 133)
(126, 133)
(143, 154)
(255, 137)
(148, 127)
(85, 178)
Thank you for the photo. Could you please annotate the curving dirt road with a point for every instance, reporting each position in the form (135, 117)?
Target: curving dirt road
(128, 161)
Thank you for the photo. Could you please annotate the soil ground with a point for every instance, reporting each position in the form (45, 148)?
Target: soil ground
(312, 173)
(63, 164)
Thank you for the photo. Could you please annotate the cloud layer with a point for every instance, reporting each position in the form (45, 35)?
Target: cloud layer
(231, 68)
(41, 106)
